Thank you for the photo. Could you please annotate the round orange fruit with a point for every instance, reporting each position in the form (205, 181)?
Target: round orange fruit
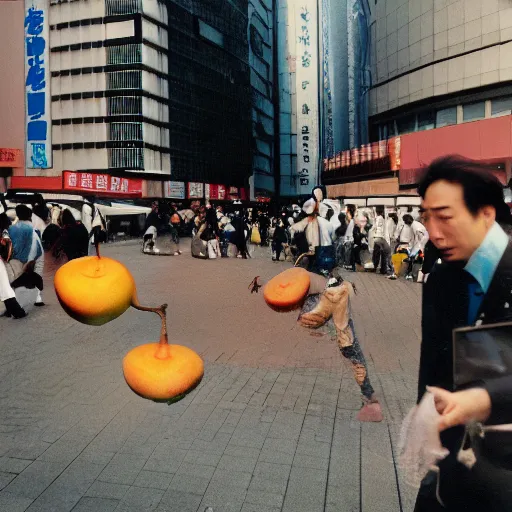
(162, 372)
(287, 289)
(94, 290)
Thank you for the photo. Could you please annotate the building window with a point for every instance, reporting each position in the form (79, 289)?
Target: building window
(210, 33)
(426, 120)
(473, 111)
(446, 117)
(501, 107)
(406, 124)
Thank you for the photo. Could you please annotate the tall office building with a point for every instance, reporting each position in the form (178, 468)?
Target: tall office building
(109, 86)
(126, 95)
(210, 94)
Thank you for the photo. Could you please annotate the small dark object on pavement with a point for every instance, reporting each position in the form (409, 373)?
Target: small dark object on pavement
(255, 286)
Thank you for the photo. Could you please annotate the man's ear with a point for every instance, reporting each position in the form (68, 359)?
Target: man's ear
(489, 215)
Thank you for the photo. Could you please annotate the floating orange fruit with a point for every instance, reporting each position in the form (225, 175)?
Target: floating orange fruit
(162, 372)
(287, 289)
(94, 290)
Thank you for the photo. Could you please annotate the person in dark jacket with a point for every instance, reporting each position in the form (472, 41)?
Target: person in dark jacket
(74, 238)
(278, 240)
(465, 215)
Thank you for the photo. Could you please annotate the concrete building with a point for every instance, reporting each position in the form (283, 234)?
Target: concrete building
(12, 102)
(441, 76)
(122, 96)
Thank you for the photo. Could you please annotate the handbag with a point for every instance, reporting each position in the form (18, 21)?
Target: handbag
(5, 249)
(255, 235)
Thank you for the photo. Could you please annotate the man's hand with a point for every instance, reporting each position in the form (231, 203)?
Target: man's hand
(461, 407)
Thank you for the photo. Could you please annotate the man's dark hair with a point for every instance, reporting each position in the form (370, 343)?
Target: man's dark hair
(67, 218)
(351, 209)
(408, 219)
(41, 211)
(481, 188)
(23, 212)
(393, 216)
(5, 222)
(379, 210)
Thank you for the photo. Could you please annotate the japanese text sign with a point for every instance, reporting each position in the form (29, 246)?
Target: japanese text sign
(175, 189)
(306, 26)
(102, 183)
(195, 190)
(37, 86)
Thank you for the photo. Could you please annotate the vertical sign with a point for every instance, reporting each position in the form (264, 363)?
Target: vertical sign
(306, 20)
(37, 85)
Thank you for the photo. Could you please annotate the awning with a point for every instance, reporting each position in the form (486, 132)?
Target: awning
(112, 211)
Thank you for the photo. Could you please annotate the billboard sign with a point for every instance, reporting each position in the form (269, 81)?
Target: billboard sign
(308, 136)
(174, 189)
(195, 190)
(38, 125)
(102, 183)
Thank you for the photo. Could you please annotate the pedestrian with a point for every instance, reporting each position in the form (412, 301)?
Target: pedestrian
(319, 234)
(211, 234)
(417, 243)
(27, 264)
(175, 225)
(279, 238)
(381, 248)
(7, 293)
(339, 242)
(74, 238)
(465, 214)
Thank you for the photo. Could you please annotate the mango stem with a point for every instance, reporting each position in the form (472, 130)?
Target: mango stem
(161, 311)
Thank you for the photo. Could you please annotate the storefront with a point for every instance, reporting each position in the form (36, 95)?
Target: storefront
(11, 163)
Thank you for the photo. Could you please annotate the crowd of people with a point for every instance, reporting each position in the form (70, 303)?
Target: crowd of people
(26, 234)
(391, 242)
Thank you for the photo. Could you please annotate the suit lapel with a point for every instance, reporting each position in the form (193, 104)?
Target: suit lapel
(497, 303)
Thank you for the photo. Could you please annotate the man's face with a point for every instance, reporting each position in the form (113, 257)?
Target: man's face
(452, 228)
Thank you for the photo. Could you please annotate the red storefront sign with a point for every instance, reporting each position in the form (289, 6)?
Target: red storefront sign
(233, 193)
(367, 154)
(101, 184)
(11, 157)
(40, 183)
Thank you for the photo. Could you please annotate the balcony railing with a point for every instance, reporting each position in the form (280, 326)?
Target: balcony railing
(124, 80)
(126, 158)
(125, 131)
(124, 54)
(119, 7)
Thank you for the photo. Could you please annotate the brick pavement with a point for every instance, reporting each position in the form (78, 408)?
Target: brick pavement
(271, 427)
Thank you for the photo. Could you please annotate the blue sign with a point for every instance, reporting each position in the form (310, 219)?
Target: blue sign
(37, 86)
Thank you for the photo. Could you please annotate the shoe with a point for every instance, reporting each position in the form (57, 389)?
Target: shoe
(13, 309)
(176, 254)
(392, 277)
(409, 277)
(39, 304)
(179, 252)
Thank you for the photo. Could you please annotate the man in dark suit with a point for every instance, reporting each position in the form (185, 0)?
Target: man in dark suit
(467, 219)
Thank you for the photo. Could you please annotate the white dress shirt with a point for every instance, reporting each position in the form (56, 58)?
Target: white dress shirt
(317, 230)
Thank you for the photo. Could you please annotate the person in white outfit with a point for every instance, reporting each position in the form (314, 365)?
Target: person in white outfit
(381, 248)
(319, 233)
(418, 241)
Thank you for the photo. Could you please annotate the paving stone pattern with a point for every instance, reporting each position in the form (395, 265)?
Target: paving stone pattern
(271, 427)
